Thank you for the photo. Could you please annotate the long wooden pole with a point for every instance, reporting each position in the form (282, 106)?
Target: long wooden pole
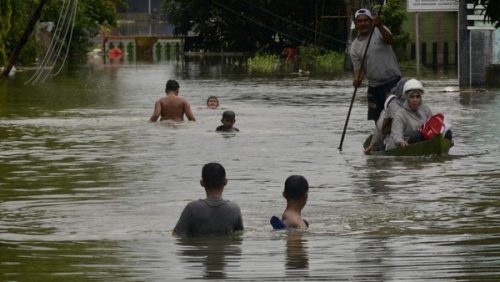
(417, 42)
(24, 38)
(356, 87)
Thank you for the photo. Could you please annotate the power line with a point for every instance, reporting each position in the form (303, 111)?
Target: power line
(295, 23)
(64, 25)
(262, 25)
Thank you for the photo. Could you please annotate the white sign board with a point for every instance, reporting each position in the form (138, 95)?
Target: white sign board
(432, 5)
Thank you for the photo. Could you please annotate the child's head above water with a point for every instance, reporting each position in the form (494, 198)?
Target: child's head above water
(212, 102)
(228, 119)
(228, 115)
(296, 187)
(213, 175)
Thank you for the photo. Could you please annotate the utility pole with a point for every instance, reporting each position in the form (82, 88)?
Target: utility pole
(24, 38)
(417, 42)
(150, 18)
(464, 62)
(347, 58)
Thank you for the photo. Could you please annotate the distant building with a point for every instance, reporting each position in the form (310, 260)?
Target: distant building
(142, 18)
(141, 6)
(438, 38)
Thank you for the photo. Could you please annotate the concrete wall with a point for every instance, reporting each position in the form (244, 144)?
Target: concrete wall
(476, 48)
(480, 55)
(493, 76)
(438, 38)
(141, 6)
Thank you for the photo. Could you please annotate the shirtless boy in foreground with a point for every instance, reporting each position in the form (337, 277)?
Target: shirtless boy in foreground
(172, 107)
(296, 190)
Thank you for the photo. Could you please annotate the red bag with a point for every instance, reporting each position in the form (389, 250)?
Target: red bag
(433, 126)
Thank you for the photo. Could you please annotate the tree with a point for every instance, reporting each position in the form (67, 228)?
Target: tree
(253, 25)
(5, 16)
(492, 10)
(25, 37)
(90, 15)
(394, 15)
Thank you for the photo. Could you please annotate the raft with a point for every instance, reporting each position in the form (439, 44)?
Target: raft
(438, 145)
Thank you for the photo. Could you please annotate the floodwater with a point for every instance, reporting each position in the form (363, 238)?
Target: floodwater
(90, 191)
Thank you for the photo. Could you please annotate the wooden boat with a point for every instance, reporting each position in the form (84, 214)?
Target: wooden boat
(438, 145)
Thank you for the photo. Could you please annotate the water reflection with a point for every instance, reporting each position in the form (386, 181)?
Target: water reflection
(60, 261)
(297, 259)
(374, 255)
(85, 176)
(211, 255)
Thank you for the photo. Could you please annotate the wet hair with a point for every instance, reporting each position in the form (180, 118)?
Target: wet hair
(172, 85)
(296, 186)
(213, 175)
(228, 115)
(213, 97)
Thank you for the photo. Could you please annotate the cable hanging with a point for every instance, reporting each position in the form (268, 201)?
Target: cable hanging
(303, 27)
(263, 25)
(63, 29)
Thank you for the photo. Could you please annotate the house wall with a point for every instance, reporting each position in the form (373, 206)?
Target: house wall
(438, 38)
(136, 20)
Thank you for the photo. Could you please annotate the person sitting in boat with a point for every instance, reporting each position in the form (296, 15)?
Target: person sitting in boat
(392, 105)
(295, 193)
(407, 121)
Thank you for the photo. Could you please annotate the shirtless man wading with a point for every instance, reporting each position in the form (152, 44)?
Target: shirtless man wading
(172, 107)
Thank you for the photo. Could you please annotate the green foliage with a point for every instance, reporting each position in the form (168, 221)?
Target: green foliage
(31, 50)
(307, 56)
(130, 48)
(263, 63)
(251, 25)
(393, 16)
(5, 15)
(492, 10)
(330, 62)
(313, 58)
(90, 15)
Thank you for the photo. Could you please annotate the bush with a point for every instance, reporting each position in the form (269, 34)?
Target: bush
(310, 59)
(330, 62)
(313, 58)
(263, 63)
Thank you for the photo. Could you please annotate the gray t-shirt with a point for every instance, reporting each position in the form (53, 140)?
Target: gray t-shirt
(210, 216)
(381, 65)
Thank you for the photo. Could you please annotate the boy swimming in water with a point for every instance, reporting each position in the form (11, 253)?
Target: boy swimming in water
(212, 102)
(295, 193)
(228, 120)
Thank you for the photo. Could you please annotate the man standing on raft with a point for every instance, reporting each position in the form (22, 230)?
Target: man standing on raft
(380, 65)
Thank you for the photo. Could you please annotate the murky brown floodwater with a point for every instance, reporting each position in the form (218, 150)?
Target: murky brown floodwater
(89, 190)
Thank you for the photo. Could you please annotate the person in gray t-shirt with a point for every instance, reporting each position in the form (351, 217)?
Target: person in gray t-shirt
(213, 215)
(380, 65)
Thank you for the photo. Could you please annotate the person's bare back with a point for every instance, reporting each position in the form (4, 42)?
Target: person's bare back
(172, 107)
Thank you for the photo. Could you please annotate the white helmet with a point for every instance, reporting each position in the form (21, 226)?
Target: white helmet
(413, 84)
